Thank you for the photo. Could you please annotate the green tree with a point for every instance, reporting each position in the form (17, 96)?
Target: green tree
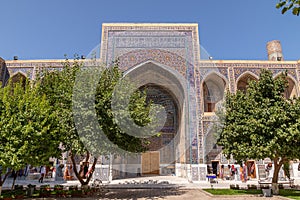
(286, 5)
(261, 123)
(59, 87)
(138, 110)
(27, 128)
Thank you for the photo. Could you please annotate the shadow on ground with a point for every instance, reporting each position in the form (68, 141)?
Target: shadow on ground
(143, 193)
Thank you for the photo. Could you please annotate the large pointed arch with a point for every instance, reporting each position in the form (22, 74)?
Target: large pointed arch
(213, 89)
(242, 82)
(172, 88)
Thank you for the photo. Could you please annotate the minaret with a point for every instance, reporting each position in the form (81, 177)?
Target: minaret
(274, 50)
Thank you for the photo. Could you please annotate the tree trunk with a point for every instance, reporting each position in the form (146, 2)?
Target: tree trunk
(82, 182)
(86, 160)
(75, 169)
(14, 181)
(92, 172)
(277, 166)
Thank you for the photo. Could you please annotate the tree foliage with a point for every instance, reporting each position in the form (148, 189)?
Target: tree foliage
(27, 127)
(59, 85)
(116, 124)
(261, 123)
(286, 5)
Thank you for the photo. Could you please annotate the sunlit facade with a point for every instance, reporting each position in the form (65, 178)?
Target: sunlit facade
(169, 61)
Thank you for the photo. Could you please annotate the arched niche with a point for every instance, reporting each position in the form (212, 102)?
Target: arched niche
(18, 78)
(213, 91)
(244, 80)
(291, 90)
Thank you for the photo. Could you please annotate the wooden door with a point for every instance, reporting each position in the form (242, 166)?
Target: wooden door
(150, 162)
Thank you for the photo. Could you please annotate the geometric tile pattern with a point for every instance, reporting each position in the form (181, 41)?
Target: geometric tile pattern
(136, 57)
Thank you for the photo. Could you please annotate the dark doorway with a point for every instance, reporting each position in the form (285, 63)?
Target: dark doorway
(215, 167)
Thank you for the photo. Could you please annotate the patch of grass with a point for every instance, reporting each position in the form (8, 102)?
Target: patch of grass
(232, 192)
(293, 194)
(293, 197)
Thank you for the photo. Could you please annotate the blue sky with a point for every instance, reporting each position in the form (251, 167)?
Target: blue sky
(232, 29)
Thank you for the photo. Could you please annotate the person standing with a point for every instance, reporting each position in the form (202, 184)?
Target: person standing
(232, 172)
(236, 174)
(222, 172)
(42, 172)
(268, 169)
(252, 170)
(245, 172)
(71, 172)
(241, 173)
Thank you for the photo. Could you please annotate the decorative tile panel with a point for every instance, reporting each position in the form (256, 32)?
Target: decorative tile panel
(136, 57)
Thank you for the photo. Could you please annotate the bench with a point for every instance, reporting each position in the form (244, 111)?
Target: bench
(289, 182)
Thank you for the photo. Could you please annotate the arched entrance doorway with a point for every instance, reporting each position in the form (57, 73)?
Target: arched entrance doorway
(164, 87)
(152, 159)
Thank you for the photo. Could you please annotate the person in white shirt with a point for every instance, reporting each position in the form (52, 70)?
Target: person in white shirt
(43, 172)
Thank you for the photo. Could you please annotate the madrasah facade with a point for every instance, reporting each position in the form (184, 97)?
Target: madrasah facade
(169, 61)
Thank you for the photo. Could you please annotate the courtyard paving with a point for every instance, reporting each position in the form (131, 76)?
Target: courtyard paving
(173, 188)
